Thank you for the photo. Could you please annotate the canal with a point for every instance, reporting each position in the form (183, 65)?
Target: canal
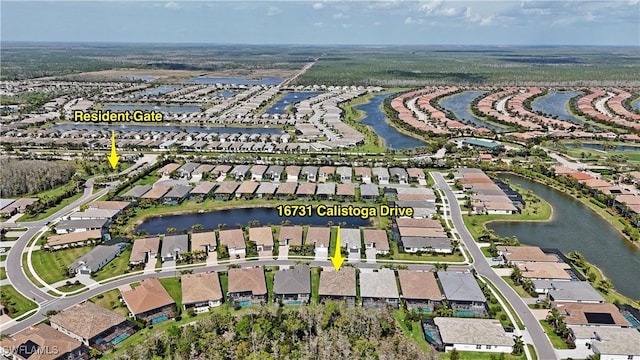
(555, 104)
(576, 227)
(241, 216)
(459, 105)
(377, 119)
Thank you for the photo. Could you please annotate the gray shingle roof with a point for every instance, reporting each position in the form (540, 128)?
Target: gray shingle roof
(459, 286)
(293, 281)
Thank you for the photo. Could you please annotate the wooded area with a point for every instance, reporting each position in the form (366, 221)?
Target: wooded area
(19, 177)
(318, 332)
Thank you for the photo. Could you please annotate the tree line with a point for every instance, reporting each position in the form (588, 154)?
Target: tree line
(327, 332)
(20, 177)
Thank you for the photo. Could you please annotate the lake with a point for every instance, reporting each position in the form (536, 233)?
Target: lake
(236, 80)
(162, 108)
(555, 103)
(597, 146)
(162, 89)
(459, 105)
(377, 119)
(576, 227)
(169, 128)
(279, 107)
(241, 216)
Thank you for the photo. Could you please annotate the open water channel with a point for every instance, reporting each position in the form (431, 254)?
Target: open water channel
(576, 227)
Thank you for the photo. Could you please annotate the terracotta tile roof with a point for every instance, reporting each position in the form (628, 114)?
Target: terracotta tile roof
(142, 246)
(46, 338)
(591, 314)
(319, 236)
(377, 237)
(87, 320)
(149, 295)
(293, 233)
(261, 235)
(199, 240)
(233, 238)
(74, 237)
(198, 288)
(419, 285)
(338, 283)
(247, 279)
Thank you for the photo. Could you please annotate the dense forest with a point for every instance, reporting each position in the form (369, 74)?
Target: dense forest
(316, 332)
(18, 177)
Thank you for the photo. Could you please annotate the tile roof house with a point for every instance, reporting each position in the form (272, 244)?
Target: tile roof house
(202, 190)
(420, 290)
(74, 238)
(338, 285)
(263, 237)
(293, 286)
(344, 174)
(369, 192)
(173, 246)
(486, 335)
(573, 291)
(290, 235)
(319, 236)
(379, 289)
(201, 292)
(274, 172)
(591, 314)
(92, 325)
(225, 190)
(376, 239)
(177, 194)
(149, 301)
(286, 191)
(233, 239)
(517, 254)
(610, 342)
(247, 286)
(30, 343)
(204, 241)
(144, 250)
(463, 293)
(310, 173)
(292, 173)
(137, 192)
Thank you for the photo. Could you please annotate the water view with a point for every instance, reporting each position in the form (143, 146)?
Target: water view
(236, 80)
(459, 105)
(169, 128)
(163, 108)
(236, 217)
(290, 98)
(576, 227)
(376, 118)
(555, 104)
(597, 146)
(162, 89)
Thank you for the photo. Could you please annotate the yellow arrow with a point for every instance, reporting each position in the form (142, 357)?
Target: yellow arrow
(113, 158)
(337, 258)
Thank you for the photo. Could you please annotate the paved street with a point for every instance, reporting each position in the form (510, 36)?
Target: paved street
(538, 337)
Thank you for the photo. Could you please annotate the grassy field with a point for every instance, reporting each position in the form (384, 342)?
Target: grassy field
(478, 355)
(70, 288)
(517, 288)
(315, 285)
(15, 301)
(478, 65)
(3, 273)
(51, 265)
(270, 274)
(172, 285)
(397, 255)
(556, 340)
(587, 154)
(415, 333)
(109, 301)
(116, 267)
(50, 211)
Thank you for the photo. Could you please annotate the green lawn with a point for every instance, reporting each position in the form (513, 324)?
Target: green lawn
(30, 276)
(51, 265)
(70, 288)
(13, 238)
(397, 255)
(172, 285)
(3, 273)
(270, 273)
(15, 303)
(3, 257)
(478, 355)
(315, 285)
(52, 210)
(116, 267)
(416, 334)
(109, 301)
(517, 288)
(532, 351)
(556, 340)
(515, 315)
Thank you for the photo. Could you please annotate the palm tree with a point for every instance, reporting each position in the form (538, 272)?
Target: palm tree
(518, 345)
(554, 319)
(516, 275)
(171, 230)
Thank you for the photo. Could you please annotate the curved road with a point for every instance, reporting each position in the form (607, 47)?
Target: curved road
(540, 340)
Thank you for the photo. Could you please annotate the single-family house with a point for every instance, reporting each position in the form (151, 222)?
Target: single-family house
(257, 172)
(201, 292)
(292, 173)
(344, 173)
(293, 286)
(31, 343)
(263, 237)
(338, 285)
(379, 289)
(362, 174)
(310, 173)
(463, 293)
(274, 172)
(290, 235)
(225, 190)
(96, 259)
(233, 239)
(376, 239)
(369, 192)
(247, 286)
(144, 250)
(93, 325)
(325, 173)
(399, 174)
(325, 191)
(380, 175)
(240, 172)
(420, 290)
(204, 241)
(485, 335)
(149, 302)
(177, 194)
(173, 246)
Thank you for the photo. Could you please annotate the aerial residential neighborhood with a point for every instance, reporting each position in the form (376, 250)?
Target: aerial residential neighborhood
(246, 180)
